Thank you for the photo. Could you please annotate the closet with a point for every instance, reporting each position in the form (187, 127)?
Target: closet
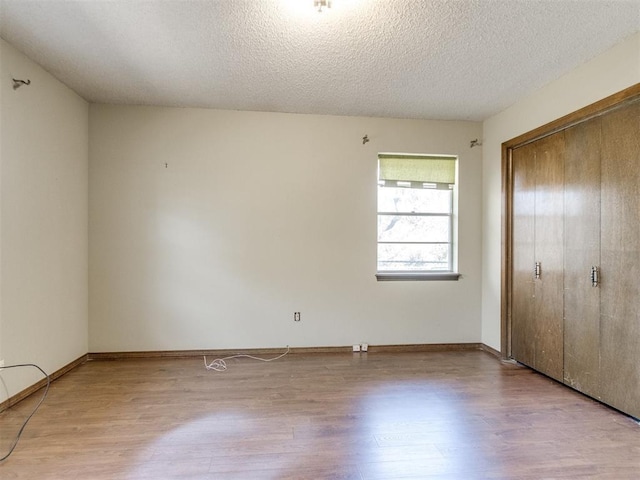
(573, 253)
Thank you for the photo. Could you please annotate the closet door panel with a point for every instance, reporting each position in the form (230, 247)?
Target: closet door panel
(522, 311)
(549, 225)
(620, 252)
(581, 253)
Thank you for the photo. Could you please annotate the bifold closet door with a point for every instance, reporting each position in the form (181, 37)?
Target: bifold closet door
(582, 257)
(523, 328)
(537, 310)
(620, 252)
(549, 243)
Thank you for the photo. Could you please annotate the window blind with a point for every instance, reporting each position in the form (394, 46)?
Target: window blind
(417, 168)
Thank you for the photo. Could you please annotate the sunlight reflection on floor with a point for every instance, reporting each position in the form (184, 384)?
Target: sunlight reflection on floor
(417, 427)
(188, 449)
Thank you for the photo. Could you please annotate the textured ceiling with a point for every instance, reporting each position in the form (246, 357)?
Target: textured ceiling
(436, 59)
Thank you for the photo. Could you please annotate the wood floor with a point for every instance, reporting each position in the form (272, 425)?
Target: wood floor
(460, 415)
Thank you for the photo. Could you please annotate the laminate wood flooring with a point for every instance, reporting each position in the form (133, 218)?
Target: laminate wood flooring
(446, 415)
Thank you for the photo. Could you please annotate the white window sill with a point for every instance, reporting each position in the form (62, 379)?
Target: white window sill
(417, 276)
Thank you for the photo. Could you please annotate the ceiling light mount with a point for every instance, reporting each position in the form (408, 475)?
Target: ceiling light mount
(321, 4)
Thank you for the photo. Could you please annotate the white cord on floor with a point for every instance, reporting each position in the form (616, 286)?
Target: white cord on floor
(219, 364)
(24, 424)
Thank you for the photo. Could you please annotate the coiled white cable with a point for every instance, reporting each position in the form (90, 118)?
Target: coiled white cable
(219, 364)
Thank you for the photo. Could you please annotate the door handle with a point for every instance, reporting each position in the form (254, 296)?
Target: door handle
(537, 270)
(595, 276)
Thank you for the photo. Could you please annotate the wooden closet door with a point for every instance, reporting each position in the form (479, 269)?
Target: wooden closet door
(620, 257)
(538, 237)
(549, 243)
(523, 236)
(581, 253)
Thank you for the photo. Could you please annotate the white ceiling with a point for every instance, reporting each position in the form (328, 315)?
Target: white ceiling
(435, 59)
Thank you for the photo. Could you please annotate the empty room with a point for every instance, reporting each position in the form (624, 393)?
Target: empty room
(320, 239)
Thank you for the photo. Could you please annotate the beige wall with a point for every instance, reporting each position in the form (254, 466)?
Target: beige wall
(258, 215)
(43, 222)
(608, 73)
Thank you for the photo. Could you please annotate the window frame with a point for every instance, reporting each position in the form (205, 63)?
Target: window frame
(451, 272)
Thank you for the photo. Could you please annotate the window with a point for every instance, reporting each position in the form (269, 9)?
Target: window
(416, 195)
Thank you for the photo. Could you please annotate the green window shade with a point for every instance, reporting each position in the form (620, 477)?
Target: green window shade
(414, 168)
